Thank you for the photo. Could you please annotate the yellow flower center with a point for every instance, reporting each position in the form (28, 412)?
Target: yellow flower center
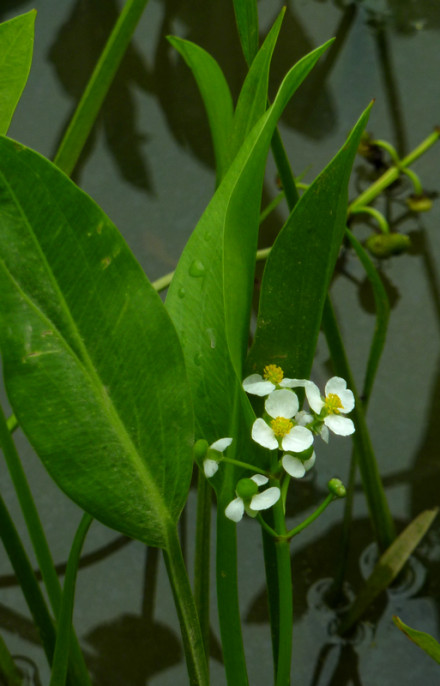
(273, 373)
(281, 426)
(333, 403)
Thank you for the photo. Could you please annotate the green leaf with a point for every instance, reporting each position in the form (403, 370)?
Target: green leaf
(16, 45)
(420, 638)
(215, 94)
(246, 16)
(98, 86)
(93, 367)
(252, 102)
(389, 565)
(299, 268)
(209, 298)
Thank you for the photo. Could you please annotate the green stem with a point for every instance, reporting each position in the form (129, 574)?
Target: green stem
(26, 578)
(78, 669)
(227, 594)
(378, 216)
(378, 507)
(284, 170)
(203, 556)
(246, 465)
(285, 602)
(64, 623)
(98, 86)
(418, 188)
(8, 670)
(186, 609)
(319, 510)
(392, 174)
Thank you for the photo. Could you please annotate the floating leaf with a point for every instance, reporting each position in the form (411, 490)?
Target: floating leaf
(93, 367)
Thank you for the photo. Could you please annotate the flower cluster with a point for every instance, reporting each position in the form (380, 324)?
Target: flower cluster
(286, 428)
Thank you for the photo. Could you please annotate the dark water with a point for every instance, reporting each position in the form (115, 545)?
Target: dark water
(149, 164)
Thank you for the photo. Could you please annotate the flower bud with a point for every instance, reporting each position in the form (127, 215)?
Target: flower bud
(419, 202)
(337, 488)
(246, 488)
(387, 244)
(200, 449)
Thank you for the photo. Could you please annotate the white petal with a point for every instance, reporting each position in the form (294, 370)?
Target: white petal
(221, 444)
(263, 434)
(338, 386)
(293, 466)
(343, 426)
(264, 500)
(302, 418)
(256, 385)
(210, 467)
(235, 510)
(282, 403)
(299, 383)
(314, 397)
(259, 479)
(287, 383)
(298, 439)
(324, 433)
(308, 464)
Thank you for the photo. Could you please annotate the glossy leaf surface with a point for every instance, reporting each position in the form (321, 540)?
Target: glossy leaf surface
(93, 366)
(299, 268)
(16, 46)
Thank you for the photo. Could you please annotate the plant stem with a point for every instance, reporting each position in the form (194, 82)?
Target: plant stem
(319, 510)
(285, 603)
(186, 609)
(98, 86)
(203, 557)
(393, 173)
(77, 669)
(373, 487)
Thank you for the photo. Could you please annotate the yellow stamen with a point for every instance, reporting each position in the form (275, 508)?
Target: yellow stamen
(281, 426)
(273, 373)
(333, 403)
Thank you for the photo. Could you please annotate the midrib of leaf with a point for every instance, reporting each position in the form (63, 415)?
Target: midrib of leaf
(85, 362)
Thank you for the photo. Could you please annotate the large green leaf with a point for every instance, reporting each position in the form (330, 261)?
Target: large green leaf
(93, 366)
(246, 16)
(210, 296)
(299, 268)
(215, 94)
(16, 45)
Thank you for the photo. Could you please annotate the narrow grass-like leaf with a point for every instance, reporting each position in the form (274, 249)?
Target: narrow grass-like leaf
(299, 268)
(246, 16)
(64, 623)
(93, 367)
(425, 641)
(9, 673)
(16, 46)
(215, 94)
(97, 88)
(252, 101)
(389, 565)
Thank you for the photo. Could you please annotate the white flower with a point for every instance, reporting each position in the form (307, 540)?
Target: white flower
(282, 405)
(338, 400)
(250, 500)
(296, 467)
(210, 464)
(273, 377)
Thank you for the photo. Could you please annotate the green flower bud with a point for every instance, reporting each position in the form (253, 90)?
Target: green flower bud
(419, 203)
(200, 449)
(246, 489)
(387, 244)
(337, 488)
